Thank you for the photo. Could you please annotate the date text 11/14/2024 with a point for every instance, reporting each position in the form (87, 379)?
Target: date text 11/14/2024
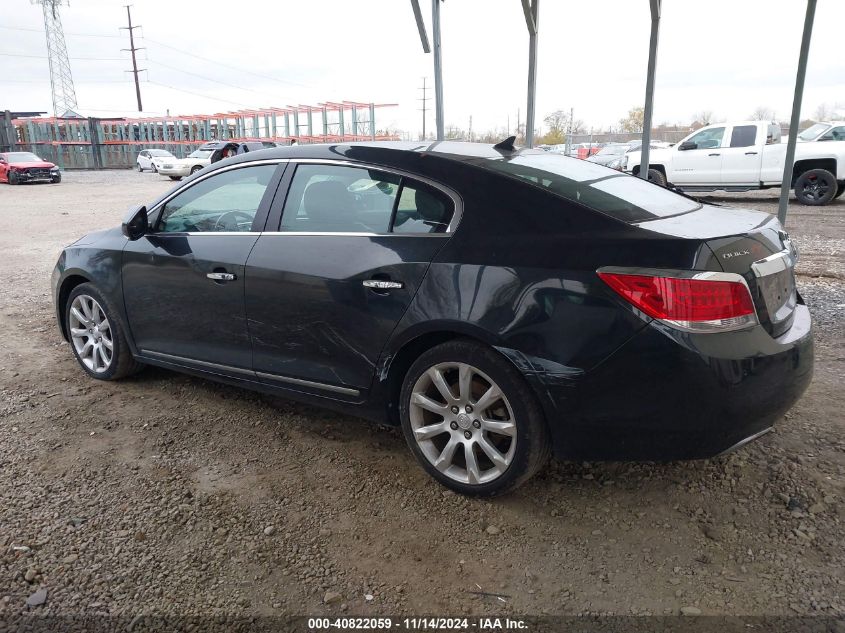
(482, 624)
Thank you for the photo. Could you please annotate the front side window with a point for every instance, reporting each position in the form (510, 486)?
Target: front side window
(707, 139)
(834, 134)
(743, 135)
(813, 131)
(227, 201)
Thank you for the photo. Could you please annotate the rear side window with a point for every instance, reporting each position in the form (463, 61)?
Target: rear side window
(743, 135)
(605, 190)
(421, 209)
(341, 199)
(338, 199)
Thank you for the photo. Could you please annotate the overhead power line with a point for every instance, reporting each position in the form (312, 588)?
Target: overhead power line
(219, 63)
(217, 81)
(98, 59)
(20, 28)
(198, 94)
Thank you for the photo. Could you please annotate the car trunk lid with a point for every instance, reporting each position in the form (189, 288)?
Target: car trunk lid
(751, 244)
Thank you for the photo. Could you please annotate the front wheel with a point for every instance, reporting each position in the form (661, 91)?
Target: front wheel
(195, 169)
(841, 190)
(96, 337)
(657, 177)
(815, 187)
(139, 167)
(175, 177)
(12, 178)
(471, 420)
(56, 179)
(154, 168)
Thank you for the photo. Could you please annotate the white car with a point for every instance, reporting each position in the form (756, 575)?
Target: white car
(151, 159)
(178, 168)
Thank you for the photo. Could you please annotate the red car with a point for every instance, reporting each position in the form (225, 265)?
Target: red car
(18, 167)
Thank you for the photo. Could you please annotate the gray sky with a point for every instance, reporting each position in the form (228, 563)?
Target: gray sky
(728, 56)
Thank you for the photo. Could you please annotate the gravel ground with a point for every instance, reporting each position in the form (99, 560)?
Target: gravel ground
(165, 494)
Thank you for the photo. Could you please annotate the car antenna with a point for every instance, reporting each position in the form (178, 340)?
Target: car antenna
(506, 145)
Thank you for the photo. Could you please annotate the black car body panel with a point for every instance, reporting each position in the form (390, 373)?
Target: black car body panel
(517, 272)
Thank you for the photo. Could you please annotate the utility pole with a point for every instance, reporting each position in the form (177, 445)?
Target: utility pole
(132, 48)
(424, 106)
(438, 68)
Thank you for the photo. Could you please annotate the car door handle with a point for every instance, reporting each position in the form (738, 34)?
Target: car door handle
(382, 284)
(221, 276)
(750, 153)
(713, 154)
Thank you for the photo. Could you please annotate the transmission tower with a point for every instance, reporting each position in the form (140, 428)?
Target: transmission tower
(61, 80)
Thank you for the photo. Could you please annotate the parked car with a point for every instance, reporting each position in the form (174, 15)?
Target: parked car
(634, 146)
(497, 303)
(208, 153)
(152, 158)
(608, 153)
(746, 155)
(824, 131)
(20, 167)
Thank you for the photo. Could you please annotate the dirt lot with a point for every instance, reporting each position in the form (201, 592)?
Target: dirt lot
(169, 494)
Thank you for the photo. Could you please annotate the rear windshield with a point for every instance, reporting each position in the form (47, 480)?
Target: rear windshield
(623, 197)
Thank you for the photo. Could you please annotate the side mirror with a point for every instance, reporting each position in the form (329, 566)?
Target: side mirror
(135, 223)
(687, 145)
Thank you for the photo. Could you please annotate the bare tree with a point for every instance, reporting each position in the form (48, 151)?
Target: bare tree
(763, 113)
(704, 117)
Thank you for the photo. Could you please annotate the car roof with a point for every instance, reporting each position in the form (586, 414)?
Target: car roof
(460, 151)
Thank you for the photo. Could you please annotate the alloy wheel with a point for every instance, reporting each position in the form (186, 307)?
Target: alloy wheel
(816, 188)
(91, 333)
(463, 423)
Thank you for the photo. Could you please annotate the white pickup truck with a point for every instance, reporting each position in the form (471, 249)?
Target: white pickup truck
(745, 155)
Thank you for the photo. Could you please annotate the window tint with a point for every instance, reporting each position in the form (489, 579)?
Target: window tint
(337, 199)
(834, 134)
(743, 135)
(422, 209)
(624, 197)
(226, 201)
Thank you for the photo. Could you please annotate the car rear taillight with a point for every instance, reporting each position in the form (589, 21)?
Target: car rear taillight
(703, 302)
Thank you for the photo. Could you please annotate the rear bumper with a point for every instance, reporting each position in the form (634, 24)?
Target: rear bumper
(668, 395)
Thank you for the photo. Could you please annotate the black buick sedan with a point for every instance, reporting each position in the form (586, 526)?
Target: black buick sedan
(498, 303)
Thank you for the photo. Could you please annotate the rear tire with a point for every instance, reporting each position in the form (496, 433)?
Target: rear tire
(656, 176)
(92, 325)
(489, 438)
(816, 187)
